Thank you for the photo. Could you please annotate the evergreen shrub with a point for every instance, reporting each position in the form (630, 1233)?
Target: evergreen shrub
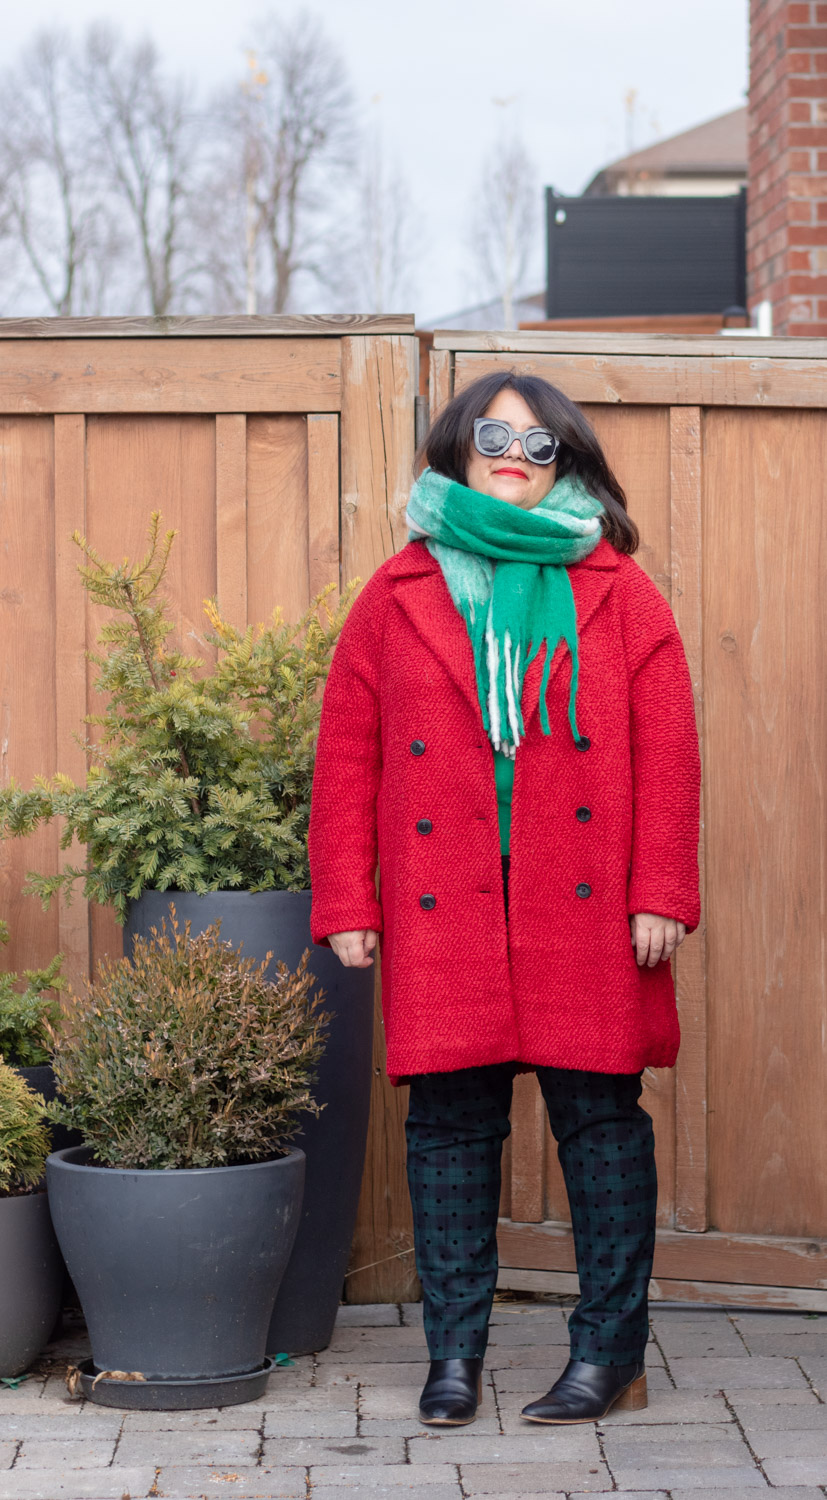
(28, 1015)
(25, 1141)
(202, 774)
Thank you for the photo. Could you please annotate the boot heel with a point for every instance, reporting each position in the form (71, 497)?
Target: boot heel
(635, 1397)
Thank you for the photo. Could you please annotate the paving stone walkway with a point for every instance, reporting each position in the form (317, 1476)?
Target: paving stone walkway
(737, 1404)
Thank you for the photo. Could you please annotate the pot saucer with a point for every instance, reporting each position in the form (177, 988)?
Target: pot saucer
(174, 1395)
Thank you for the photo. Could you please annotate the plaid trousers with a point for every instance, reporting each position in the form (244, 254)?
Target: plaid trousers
(455, 1129)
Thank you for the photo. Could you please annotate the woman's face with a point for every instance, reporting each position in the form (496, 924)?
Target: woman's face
(512, 476)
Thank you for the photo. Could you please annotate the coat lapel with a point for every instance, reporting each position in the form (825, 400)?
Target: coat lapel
(425, 599)
(422, 593)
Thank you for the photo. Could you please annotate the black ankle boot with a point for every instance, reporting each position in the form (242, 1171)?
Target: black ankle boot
(585, 1393)
(452, 1392)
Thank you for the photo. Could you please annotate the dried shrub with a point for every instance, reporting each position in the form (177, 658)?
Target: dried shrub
(188, 1056)
(24, 1135)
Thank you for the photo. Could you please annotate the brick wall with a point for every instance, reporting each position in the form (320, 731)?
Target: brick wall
(787, 198)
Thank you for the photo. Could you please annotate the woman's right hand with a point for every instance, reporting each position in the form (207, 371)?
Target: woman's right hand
(354, 948)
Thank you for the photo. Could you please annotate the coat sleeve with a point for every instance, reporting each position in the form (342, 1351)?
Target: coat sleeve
(342, 835)
(666, 771)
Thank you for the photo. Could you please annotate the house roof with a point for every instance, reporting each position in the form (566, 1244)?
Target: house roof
(488, 314)
(717, 147)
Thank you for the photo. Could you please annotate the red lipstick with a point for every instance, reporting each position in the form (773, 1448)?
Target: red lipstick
(518, 473)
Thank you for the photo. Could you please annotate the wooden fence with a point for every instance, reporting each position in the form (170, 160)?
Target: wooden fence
(282, 448)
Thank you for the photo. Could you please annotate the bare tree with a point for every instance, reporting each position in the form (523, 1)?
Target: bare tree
(503, 222)
(148, 150)
(118, 194)
(285, 144)
(52, 211)
(377, 272)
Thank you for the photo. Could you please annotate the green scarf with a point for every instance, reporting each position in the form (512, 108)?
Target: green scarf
(505, 568)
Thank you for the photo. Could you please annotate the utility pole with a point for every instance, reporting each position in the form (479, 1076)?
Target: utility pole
(630, 102)
(508, 281)
(253, 87)
(509, 247)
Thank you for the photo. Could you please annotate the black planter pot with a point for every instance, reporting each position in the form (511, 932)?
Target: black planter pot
(31, 1281)
(42, 1079)
(334, 1144)
(177, 1271)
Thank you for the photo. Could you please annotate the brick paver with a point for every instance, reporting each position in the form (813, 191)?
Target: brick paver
(249, 1482)
(766, 1419)
(737, 1405)
(534, 1445)
(217, 1447)
(80, 1453)
(533, 1478)
(735, 1374)
(815, 1368)
(702, 1477)
(350, 1491)
(76, 1484)
(395, 1478)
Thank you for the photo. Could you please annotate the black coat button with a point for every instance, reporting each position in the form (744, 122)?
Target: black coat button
(424, 825)
(417, 747)
(582, 889)
(427, 902)
(584, 743)
(583, 814)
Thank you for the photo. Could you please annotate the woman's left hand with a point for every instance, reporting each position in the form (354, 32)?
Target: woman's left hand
(655, 938)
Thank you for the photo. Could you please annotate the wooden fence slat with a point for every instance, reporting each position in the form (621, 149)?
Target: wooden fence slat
(664, 1289)
(29, 628)
(713, 1256)
(607, 345)
(134, 466)
(323, 503)
(646, 380)
(231, 517)
(231, 325)
(441, 380)
(277, 561)
(528, 1114)
(382, 1266)
(70, 666)
(377, 443)
(691, 1162)
(198, 376)
(379, 385)
(765, 665)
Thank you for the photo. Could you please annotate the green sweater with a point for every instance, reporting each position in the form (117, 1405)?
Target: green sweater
(504, 777)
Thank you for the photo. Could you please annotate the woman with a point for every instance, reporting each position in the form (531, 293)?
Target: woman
(508, 725)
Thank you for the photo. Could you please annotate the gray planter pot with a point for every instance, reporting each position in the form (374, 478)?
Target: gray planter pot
(334, 1144)
(31, 1281)
(42, 1079)
(177, 1271)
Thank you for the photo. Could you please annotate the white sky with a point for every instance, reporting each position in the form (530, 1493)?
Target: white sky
(566, 65)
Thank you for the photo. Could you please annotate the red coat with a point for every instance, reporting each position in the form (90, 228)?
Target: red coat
(559, 984)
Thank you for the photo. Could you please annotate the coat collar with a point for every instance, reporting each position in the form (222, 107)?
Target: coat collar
(421, 590)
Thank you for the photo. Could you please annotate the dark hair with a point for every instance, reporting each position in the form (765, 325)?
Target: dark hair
(448, 444)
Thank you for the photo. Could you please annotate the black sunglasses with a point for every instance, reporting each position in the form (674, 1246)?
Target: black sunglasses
(494, 437)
